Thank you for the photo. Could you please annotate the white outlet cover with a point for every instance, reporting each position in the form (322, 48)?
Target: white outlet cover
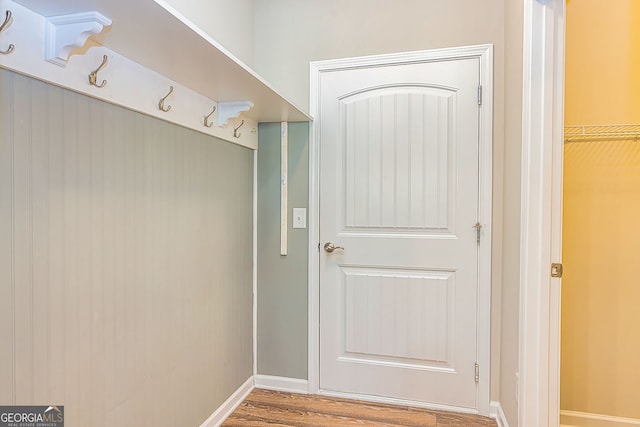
(299, 217)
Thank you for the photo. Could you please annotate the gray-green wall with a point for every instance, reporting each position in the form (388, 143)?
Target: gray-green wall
(126, 261)
(282, 280)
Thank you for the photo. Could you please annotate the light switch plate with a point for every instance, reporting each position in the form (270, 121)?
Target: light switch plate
(299, 217)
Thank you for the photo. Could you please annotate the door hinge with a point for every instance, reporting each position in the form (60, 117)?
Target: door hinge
(477, 373)
(478, 228)
(556, 270)
(480, 95)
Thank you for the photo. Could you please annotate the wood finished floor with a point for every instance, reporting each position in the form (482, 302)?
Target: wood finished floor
(276, 409)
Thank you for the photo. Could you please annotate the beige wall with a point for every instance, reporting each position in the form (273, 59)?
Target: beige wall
(229, 22)
(601, 239)
(288, 34)
(509, 261)
(291, 33)
(125, 261)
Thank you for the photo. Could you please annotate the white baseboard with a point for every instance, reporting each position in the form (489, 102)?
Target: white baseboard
(583, 419)
(229, 405)
(394, 401)
(289, 385)
(294, 385)
(498, 414)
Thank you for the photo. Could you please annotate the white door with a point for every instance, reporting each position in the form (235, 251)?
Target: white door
(399, 192)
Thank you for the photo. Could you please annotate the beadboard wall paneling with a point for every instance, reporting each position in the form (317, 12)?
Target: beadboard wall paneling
(125, 261)
(6, 246)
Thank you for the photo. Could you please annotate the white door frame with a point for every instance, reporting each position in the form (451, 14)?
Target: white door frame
(485, 55)
(541, 221)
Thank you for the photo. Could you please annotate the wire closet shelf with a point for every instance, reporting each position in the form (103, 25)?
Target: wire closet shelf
(601, 133)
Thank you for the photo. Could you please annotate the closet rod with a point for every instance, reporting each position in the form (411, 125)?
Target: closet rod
(601, 133)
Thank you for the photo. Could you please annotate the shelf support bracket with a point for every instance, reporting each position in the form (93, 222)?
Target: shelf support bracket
(231, 110)
(64, 33)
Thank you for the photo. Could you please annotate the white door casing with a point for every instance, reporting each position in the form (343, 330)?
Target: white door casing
(406, 173)
(541, 222)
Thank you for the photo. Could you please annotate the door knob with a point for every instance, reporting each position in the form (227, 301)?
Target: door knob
(330, 247)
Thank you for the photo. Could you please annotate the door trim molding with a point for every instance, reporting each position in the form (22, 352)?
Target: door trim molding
(485, 55)
(541, 203)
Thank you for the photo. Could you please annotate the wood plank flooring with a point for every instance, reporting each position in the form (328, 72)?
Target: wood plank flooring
(276, 409)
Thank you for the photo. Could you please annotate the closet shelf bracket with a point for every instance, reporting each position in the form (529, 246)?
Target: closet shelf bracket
(63, 33)
(231, 110)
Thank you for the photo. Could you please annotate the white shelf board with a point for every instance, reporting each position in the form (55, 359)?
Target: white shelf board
(153, 34)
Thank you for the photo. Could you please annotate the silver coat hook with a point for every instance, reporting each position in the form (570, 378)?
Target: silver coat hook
(93, 77)
(164, 98)
(206, 118)
(237, 134)
(7, 19)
